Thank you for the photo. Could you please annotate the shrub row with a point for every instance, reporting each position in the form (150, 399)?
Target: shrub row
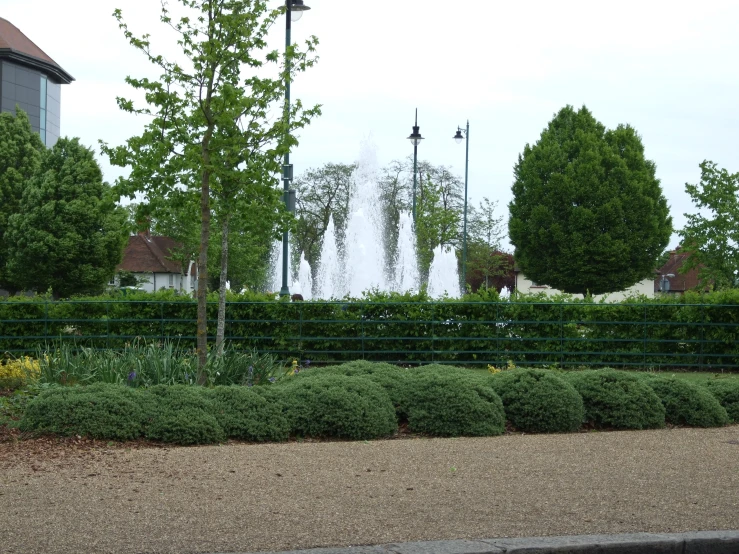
(692, 331)
(363, 400)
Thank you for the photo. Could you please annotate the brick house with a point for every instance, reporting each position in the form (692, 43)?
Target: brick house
(679, 282)
(149, 259)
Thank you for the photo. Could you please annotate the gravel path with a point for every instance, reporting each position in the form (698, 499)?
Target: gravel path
(247, 497)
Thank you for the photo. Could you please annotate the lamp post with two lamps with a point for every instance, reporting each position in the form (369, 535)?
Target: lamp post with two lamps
(458, 138)
(415, 139)
(293, 11)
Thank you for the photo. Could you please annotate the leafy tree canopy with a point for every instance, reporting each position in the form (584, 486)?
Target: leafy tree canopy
(321, 194)
(588, 213)
(69, 234)
(20, 157)
(711, 236)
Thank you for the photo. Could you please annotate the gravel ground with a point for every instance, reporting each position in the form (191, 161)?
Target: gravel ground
(78, 496)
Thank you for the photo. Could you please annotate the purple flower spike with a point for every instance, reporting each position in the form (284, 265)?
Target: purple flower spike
(132, 376)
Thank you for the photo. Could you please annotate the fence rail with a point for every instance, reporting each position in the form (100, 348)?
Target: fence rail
(685, 336)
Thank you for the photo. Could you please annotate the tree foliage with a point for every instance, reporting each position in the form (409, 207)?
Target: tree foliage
(486, 265)
(20, 158)
(322, 194)
(588, 213)
(212, 131)
(68, 234)
(711, 235)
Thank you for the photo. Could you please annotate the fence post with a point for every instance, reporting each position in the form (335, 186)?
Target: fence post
(561, 335)
(703, 335)
(46, 319)
(107, 325)
(497, 334)
(161, 321)
(433, 332)
(361, 316)
(644, 344)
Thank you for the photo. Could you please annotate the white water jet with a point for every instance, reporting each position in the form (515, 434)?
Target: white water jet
(304, 278)
(360, 264)
(364, 259)
(444, 274)
(406, 267)
(330, 279)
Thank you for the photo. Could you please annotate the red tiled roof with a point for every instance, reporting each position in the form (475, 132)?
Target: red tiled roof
(14, 42)
(681, 281)
(147, 254)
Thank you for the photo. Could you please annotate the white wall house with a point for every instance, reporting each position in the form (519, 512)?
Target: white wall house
(149, 259)
(645, 287)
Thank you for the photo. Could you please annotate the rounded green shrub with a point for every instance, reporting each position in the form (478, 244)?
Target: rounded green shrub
(185, 426)
(688, 404)
(244, 414)
(726, 391)
(181, 396)
(616, 399)
(390, 377)
(338, 406)
(100, 411)
(538, 401)
(184, 415)
(450, 405)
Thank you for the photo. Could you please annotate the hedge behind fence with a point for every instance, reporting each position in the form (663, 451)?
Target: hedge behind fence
(691, 331)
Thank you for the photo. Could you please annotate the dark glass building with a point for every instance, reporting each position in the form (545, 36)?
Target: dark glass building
(31, 80)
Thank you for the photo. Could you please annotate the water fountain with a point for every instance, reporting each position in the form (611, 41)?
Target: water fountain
(360, 264)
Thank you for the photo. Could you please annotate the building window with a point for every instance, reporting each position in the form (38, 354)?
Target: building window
(171, 280)
(42, 110)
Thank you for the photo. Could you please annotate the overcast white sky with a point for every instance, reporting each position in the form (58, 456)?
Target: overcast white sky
(669, 69)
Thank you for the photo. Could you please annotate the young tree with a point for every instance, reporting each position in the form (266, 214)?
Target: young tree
(485, 261)
(20, 158)
(588, 213)
(437, 221)
(69, 234)
(212, 130)
(713, 239)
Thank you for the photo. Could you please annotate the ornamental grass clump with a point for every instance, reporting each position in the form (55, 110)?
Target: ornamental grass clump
(184, 415)
(100, 411)
(337, 406)
(450, 405)
(726, 391)
(614, 399)
(687, 403)
(538, 401)
(245, 415)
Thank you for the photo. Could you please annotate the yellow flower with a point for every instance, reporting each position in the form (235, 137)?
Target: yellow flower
(19, 372)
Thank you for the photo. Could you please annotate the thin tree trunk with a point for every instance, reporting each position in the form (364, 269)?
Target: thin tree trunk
(221, 331)
(202, 333)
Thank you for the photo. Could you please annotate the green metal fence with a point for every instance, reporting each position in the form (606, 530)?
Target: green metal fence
(684, 336)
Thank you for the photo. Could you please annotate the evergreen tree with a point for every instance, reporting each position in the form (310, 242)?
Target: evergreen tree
(588, 213)
(20, 157)
(68, 234)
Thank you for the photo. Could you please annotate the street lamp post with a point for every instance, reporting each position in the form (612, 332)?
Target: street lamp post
(458, 138)
(415, 139)
(293, 11)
